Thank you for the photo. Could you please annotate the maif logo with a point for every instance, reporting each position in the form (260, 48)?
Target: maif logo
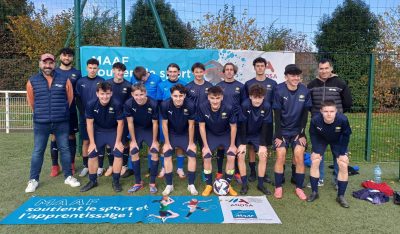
(244, 214)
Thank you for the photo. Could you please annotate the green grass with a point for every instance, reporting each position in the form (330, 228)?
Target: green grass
(322, 216)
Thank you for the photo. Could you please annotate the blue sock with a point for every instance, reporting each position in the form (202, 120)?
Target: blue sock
(85, 161)
(180, 160)
(278, 179)
(101, 161)
(149, 161)
(130, 164)
(191, 177)
(228, 178)
(115, 177)
(72, 149)
(153, 171)
(208, 179)
(299, 177)
(342, 185)
(220, 160)
(260, 181)
(93, 177)
(162, 161)
(54, 153)
(244, 180)
(136, 170)
(168, 178)
(314, 184)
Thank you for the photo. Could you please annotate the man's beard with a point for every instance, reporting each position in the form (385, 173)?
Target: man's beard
(66, 64)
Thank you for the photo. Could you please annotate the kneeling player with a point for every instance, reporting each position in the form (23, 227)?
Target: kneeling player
(178, 115)
(142, 116)
(217, 122)
(292, 102)
(255, 123)
(330, 127)
(105, 123)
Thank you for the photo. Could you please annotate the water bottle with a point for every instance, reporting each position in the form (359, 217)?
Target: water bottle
(377, 174)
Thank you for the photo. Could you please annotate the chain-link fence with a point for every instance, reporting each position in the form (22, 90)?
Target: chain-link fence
(354, 30)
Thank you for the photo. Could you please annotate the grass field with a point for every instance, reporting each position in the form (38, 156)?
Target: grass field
(322, 216)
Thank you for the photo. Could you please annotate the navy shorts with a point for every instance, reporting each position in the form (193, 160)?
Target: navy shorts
(102, 139)
(289, 141)
(321, 148)
(180, 141)
(254, 141)
(223, 141)
(73, 123)
(143, 135)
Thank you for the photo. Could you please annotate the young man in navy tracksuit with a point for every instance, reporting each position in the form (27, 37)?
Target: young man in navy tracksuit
(330, 128)
(105, 124)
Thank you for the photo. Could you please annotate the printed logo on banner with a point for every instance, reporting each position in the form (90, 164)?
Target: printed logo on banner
(239, 202)
(244, 214)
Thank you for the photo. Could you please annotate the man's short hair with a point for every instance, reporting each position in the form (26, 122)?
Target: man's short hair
(325, 60)
(139, 72)
(93, 61)
(198, 65)
(328, 102)
(119, 66)
(235, 68)
(259, 60)
(138, 86)
(67, 50)
(257, 90)
(173, 65)
(104, 86)
(179, 87)
(215, 90)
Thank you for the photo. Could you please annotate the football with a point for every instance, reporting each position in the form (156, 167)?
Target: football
(221, 187)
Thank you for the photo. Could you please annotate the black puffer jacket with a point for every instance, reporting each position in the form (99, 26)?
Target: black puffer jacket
(334, 89)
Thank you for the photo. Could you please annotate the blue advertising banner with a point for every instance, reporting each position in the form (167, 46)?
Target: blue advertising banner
(156, 60)
(117, 209)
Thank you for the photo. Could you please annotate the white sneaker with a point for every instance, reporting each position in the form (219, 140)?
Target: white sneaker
(72, 181)
(100, 171)
(180, 173)
(168, 190)
(84, 172)
(192, 190)
(32, 185)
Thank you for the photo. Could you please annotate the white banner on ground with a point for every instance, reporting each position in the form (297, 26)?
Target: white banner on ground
(248, 209)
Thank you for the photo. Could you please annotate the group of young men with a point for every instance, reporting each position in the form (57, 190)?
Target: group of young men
(173, 118)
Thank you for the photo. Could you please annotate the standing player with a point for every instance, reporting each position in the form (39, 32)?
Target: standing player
(178, 114)
(292, 102)
(255, 121)
(163, 93)
(328, 86)
(121, 90)
(333, 128)
(85, 93)
(150, 81)
(105, 123)
(141, 113)
(260, 66)
(198, 88)
(217, 123)
(66, 68)
(233, 96)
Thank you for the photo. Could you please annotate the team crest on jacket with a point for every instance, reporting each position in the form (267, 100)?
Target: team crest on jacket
(223, 115)
(338, 129)
(237, 90)
(185, 112)
(149, 110)
(262, 112)
(111, 110)
(124, 90)
(301, 98)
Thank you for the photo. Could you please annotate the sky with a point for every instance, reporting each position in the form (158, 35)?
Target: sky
(300, 16)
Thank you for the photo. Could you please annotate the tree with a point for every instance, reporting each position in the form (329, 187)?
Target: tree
(284, 39)
(226, 31)
(348, 36)
(141, 29)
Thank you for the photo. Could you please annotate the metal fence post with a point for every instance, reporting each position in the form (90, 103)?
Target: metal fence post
(123, 26)
(370, 106)
(159, 25)
(7, 113)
